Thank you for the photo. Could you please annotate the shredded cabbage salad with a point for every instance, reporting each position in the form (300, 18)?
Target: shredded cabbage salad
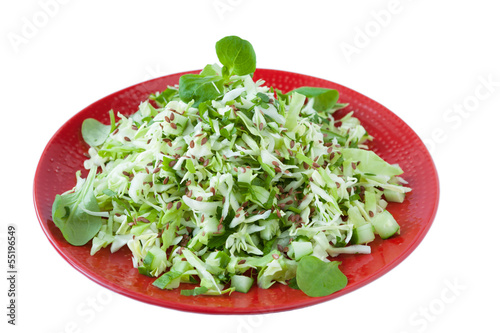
(224, 183)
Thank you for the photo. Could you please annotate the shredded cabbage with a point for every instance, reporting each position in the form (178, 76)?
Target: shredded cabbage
(229, 185)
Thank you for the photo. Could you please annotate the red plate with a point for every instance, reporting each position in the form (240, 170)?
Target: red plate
(394, 141)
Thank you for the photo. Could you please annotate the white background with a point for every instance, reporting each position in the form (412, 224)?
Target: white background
(424, 60)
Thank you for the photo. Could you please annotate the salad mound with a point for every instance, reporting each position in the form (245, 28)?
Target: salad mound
(225, 183)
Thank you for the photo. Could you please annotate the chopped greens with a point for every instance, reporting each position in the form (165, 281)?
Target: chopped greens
(227, 183)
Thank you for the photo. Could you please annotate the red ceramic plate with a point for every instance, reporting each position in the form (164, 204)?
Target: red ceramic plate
(394, 141)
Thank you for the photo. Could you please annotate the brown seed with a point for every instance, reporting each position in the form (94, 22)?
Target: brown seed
(235, 169)
(353, 165)
(143, 219)
(199, 199)
(170, 205)
(292, 144)
(202, 218)
(179, 204)
(134, 127)
(191, 144)
(261, 126)
(241, 262)
(371, 213)
(156, 170)
(237, 215)
(328, 144)
(289, 202)
(172, 163)
(276, 256)
(332, 155)
(126, 138)
(173, 125)
(204, 140)
(315, 165)
(275, 163)
(189, 194)
(329, 150)
(277, 170)
(126, 173)
(188, 183)
(172, 116)
(277, 152)
(212, 190)
(165, 181)
(206, 162)
(167, 119)
(115, 131)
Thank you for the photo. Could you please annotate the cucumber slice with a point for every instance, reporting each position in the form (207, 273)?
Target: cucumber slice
(394, 196)
(241, 283)
(301, 249)
(363, 234)
(355, 216)
(385, 225)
